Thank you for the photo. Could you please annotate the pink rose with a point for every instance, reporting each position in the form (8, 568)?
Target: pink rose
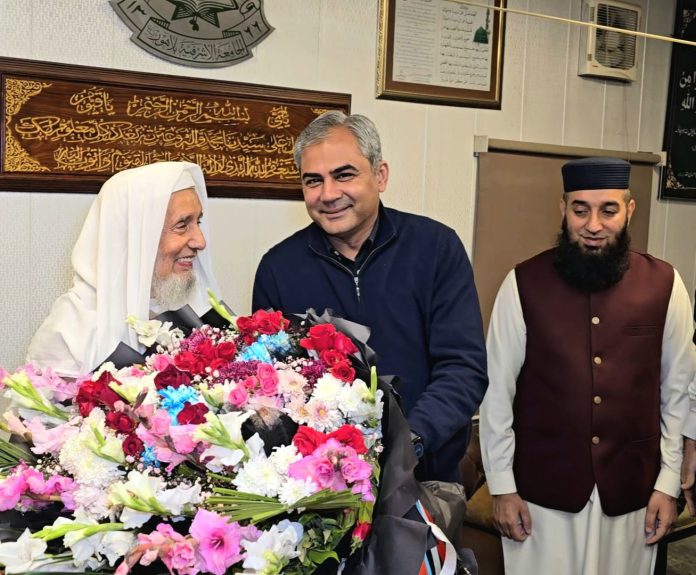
(268, 379)
(239, 396)
(354, 469)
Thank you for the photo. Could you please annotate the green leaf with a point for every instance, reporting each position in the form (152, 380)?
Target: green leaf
(319, 556)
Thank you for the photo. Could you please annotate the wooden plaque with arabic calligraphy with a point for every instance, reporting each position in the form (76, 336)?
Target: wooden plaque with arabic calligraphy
(68, 128)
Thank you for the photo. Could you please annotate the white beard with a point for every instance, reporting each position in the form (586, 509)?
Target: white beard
(172, 292)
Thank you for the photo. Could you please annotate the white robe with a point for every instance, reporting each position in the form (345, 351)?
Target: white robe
(113, 262)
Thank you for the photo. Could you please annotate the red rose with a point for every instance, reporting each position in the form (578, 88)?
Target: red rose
(185, 361)
(104, 393)
(307, 439)
(192, 413)
(132, 445)
(361, 530)
(343, 371)
(226, 350)
(120, 422)
(171, 377)
(320, 337)
(96, 394)
(331, 357)
(350, 436)
(270, 322)
(246, 325)
(344, 344)
(205, 351)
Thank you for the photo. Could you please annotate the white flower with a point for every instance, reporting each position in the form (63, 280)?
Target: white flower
(217, 394)
(130, 386)
(291, 383)
(92, 501)
(273, 550)
(327, 389)
(283, 456)
(108, 367)
(178, 497)
(87, 467)
(137, 495)
(295, 489)
(115, 544)
(151, 331)
(22, 555)
(221, 457)
(224, 433)
(258, 474)
(357, 404)
(321, 416)
(143, 496)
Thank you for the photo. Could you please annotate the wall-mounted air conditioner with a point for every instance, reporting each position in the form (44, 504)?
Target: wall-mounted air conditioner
(607, 53)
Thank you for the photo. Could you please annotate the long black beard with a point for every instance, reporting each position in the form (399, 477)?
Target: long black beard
(592, 270)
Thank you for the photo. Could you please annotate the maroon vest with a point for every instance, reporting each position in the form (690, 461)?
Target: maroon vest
(587, 406)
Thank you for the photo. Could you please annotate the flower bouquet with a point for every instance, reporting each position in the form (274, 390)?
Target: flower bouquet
(250, 448)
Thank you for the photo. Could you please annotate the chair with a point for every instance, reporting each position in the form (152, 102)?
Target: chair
(684, 527)
(478, 532)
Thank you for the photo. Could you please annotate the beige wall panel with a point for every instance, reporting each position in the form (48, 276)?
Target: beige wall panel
(544, 83)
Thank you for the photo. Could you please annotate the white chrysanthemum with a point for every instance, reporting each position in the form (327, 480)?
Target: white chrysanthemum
(283, 456)
(321, 416)
(291, 383)
(327, 389)
(295, 489)
(85, 466)
(92, 502)
(258, 475)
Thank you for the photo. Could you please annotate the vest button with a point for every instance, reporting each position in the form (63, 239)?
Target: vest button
(595, 320)
(597, 360)
(595, 440)
(597, 399)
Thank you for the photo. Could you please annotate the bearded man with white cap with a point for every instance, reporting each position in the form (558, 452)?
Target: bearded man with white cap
(140, 252)
(589, 359)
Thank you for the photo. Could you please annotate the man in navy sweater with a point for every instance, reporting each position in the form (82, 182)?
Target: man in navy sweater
(405, 276)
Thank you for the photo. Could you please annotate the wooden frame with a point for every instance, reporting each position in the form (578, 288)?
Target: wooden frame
(679, 173)
(68, 128)
(441, 52)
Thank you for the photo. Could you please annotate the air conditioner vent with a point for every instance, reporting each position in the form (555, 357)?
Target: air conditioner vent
(609, 53)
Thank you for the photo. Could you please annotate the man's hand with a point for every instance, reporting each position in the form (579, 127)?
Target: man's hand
(688, 471)
(659, 516)
(511, 516)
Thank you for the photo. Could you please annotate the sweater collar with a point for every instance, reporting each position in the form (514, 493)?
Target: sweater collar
(386, 231)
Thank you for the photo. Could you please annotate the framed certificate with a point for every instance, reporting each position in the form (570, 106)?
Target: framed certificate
(441, 52)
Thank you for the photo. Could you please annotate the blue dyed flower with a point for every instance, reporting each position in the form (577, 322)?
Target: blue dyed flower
(174, 398)
(149, 458)
(256, 352)
(278, 343)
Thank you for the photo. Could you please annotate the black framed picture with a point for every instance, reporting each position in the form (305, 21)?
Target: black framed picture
(679, 173)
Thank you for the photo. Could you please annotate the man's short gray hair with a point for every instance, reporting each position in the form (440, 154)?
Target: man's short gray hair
(361, 127)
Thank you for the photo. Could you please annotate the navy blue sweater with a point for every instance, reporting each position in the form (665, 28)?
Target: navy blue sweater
(416, 293)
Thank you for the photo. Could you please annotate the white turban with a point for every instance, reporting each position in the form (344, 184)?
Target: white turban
(113, 262)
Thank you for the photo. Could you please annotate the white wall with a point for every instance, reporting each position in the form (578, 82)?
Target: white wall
(331, 45)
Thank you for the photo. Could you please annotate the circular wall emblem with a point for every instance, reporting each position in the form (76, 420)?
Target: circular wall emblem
(200, 33)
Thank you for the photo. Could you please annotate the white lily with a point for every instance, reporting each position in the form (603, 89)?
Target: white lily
(22, 555)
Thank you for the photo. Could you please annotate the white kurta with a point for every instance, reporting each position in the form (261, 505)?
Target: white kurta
(113, 262)
(567, 542)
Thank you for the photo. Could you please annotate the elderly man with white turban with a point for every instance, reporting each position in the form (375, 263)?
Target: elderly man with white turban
(140, 252)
